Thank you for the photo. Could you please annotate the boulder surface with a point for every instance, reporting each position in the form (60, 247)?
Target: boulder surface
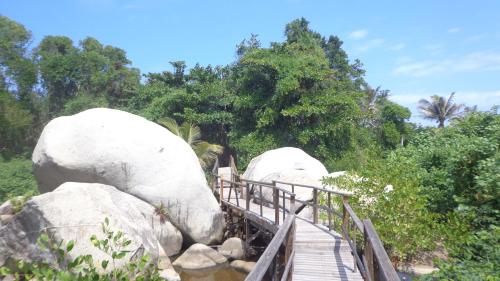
(136, 156)
(288, 164)
(243, 266)
(233, 248)
(199, 256)
(75, 211)
(282, 159)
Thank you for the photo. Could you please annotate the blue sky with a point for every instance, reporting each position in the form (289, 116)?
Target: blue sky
(413, 48)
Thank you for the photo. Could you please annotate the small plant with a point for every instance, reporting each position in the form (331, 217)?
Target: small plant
(18, 202)
(83, 267)
(162, 212)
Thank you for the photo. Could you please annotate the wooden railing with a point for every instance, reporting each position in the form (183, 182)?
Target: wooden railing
(371, 259)
(268, 261)
(374, 264)
(278, 193)
(315, 202)
(370, 256)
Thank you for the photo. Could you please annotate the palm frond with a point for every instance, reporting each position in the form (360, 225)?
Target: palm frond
(190, 133)
(194, 134)
(171, 125)
(207, 152)
(439, 108)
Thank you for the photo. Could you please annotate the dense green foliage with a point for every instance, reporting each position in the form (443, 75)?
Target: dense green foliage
(388, 192)
(16, 179)
(462, 170)
(477, 258)
(84, 268)
(444, 186)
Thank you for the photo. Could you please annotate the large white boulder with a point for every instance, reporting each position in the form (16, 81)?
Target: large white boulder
(136, 156)
(283, 159)
(75, 211)
(288, 164)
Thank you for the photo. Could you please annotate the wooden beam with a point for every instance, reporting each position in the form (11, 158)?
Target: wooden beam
(375, 250)
(315, 206)
(269, 255)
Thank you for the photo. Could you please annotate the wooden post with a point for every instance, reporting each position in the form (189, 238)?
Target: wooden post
(247, 237)
(368, 254)
(329, 212)
(345, 215)
(260, 199)
(236, 186)
(276, 203)
(315, 206)
(221, 190)
(354, 246)
(247, 197)
(284, 207)
(292, 204)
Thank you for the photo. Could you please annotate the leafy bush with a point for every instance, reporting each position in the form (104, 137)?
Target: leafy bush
(400, 215)
(475, 259)
(462, 168)
(83, 268)
(16, 179)
(83, 102)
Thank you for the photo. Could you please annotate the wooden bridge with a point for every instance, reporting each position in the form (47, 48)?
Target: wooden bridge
(306, 247)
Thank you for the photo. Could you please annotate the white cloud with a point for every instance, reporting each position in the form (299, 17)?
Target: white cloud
(434, 49)
(397, 47)
(358, 34)
(374, 43)
(454, 30)
(478, 61)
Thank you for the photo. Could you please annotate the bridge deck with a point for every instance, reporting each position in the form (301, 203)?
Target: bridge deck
(320, 254)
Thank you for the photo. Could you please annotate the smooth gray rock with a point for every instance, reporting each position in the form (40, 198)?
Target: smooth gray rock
(199, 256)
(283, 159)
(233, 248)
(75, 211)
(6, 208)
(136, 156)
(243, 266)
(287, 164)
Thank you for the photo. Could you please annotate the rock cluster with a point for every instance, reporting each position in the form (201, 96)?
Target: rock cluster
(104, 163)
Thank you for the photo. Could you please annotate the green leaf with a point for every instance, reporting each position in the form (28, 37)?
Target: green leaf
(70, 246)
(104, 264)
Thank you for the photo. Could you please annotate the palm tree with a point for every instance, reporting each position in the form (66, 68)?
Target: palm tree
(206, 152)
(439, 109)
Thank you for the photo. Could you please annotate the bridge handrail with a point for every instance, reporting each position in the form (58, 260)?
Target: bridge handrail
(377, 261)
(336, 192)
(276, 197)
(285, 232)
(372, 260)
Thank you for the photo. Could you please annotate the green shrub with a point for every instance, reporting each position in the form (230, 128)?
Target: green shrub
(16, 179)
(400, 216)
(83, 268)
(475, 259)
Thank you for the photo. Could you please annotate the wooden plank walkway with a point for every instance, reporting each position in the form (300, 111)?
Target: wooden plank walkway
(320, 254)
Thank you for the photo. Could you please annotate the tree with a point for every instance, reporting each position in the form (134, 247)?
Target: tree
(439, 109)
(206, 152)
(14, 124)
(17, 70)
(293, 94)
